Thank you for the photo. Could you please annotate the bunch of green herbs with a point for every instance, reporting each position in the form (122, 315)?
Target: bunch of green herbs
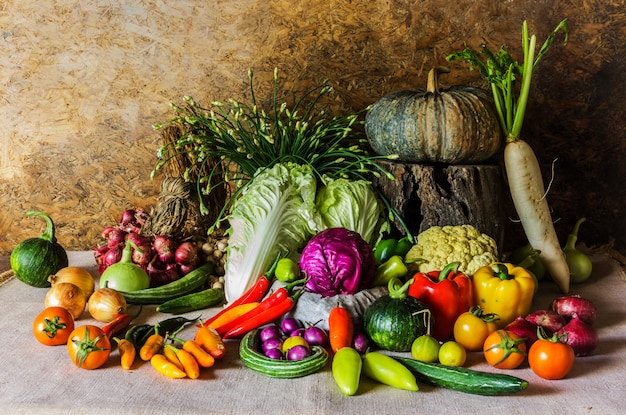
(247, 139)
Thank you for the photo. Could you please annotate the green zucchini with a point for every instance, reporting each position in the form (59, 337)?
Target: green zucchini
(463, 379)
(182, 286)
(194, 301)
(279, 368)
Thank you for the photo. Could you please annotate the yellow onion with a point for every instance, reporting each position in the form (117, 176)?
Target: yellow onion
(77, 276)
(105, 304)
(68, 296)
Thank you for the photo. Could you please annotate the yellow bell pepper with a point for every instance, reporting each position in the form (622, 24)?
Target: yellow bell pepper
(504, 289)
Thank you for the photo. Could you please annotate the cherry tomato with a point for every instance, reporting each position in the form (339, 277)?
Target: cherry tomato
(504, 349)
(88, 347)
(452, 353)
(550, 358)
(472, 328)
(53, 326)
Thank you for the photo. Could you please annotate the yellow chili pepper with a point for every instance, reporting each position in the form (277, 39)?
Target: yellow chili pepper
(503, 289)
(186, 359)
(170, 354)
(165, 367)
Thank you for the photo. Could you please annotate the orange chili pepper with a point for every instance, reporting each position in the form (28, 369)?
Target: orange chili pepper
(127, 352)
(340, 328)
(203, 357)
(152, 346)
(187, 360)
(209, 339)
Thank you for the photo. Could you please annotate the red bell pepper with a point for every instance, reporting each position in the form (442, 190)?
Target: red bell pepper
(447, 293)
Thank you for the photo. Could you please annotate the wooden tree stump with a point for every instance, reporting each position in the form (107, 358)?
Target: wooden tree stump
(432, 195)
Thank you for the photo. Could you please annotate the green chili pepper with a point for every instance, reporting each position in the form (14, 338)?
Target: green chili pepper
(385, 250)
(403, 246)
(385, 369)
(346, 368)
(287, 270)
(135, 334)
(393, 268)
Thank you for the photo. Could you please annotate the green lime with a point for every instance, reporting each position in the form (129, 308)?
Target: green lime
(425, 349)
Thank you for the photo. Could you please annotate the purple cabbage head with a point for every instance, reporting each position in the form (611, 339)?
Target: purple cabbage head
(337, 261)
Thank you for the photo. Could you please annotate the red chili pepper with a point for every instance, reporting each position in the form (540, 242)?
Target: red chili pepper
(265, 317)
(447, 293)
(117, 325)
(253, 295)
(276, 297)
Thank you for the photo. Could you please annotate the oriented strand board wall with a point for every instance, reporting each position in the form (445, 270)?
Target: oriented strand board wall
(83, 81)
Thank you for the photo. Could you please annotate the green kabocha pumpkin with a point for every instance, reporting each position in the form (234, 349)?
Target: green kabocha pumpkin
(458, 125)
(394, 321)
(35, 259)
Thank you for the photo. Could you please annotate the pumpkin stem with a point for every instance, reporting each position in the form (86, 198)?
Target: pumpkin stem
(48, 234)
(433, 83)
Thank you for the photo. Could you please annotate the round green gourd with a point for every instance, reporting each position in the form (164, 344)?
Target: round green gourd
(35, 259)
(458, 125)
(395, 320)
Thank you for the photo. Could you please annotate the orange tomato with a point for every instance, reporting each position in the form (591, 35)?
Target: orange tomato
(504, 349)
(551, 359)
(472, 328)
(88, 347)
(53, 326)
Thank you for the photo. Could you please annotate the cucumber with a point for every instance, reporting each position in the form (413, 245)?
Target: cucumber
(279, 368)
(194, 301)
(182, 286)
(463, 379)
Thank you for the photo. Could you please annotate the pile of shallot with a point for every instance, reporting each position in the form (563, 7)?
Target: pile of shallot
(571, 317)
(164, 258)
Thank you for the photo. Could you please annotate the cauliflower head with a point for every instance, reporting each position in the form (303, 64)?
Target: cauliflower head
(438, 246)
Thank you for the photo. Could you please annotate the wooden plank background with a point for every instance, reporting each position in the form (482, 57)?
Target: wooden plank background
(82, 82)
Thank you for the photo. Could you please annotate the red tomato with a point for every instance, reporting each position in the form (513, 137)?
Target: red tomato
(53, 326)
(504, 349)
(551, 359)
(88, 347)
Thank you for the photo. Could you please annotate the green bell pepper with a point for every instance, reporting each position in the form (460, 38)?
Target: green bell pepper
(393, 268)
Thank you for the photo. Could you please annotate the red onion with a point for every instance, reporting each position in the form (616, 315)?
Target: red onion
(115, 236)
(161, 274)
(186, 253)
(361, 342)
(185, 269)
(165, 248)
(548, 319)
(526, 329)
(142, 256)
(569, 305)
(581, 336)
(128, 217)
(99, 252)
(138, 239)
(112, 256)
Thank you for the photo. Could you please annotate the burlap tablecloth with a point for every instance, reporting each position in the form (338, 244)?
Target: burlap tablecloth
(35, 379)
